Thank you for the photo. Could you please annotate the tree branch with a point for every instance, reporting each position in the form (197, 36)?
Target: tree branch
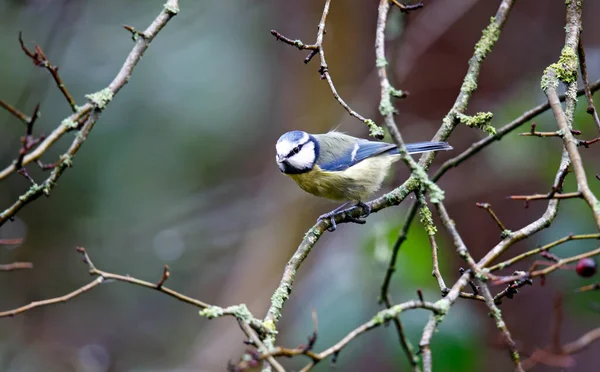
(97, 103)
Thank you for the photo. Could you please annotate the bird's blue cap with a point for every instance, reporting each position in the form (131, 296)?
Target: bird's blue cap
(293, 136)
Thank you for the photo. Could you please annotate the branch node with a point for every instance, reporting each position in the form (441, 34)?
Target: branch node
(420, 295)
(164, 277)
(135, 34)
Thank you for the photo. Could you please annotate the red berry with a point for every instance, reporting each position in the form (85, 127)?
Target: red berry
(586, 267)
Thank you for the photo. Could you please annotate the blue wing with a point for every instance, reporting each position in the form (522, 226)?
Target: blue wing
(358, 152)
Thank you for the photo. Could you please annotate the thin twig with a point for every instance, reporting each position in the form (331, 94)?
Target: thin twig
(474, 288)
(379, 319)
(166, 274)
(405, 343)
(385, 285)
(406, 8)
(582, 342)
(544, 248)
(488, 208)
(534, 133)
(16, 266)
(512, 289)
(260, 345)
(560, 264)
(541, 223)
(589, 287)
(591, 109)
(16, 113)
(574, 347)
(39, 59)
(496, 314)
(240, 312)
(587, 143)
(568, 195)
(142, 283)
(436, 266)
(11, 241)
(460, 246)
(296, 43)
(28, 140)
(436, 319)
(53, 301)
(317, 48)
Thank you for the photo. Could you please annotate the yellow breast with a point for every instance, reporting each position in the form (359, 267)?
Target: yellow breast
(356, 183)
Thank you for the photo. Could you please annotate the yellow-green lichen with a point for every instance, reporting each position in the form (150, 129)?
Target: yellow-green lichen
(385, 107)
(505, 234)
(212, 312)
(565, 69)
(374, 129)
(436, 195)
(240, 312)
(69, 123)
(427, 219)
(469, 84)
(480, 120)
(381, 62)
(443, 306)
(100, 99)
(270, 326)
(281, 294)
(398, 93)
(383, 316)
(489, 36)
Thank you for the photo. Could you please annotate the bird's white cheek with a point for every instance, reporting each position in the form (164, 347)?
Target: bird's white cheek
(304, 159)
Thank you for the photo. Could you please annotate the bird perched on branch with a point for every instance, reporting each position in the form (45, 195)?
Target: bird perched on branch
(341, 167)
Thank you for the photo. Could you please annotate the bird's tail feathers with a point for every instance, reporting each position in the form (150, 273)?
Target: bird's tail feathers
(419, 147)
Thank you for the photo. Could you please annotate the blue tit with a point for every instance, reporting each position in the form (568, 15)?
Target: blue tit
(341, 167)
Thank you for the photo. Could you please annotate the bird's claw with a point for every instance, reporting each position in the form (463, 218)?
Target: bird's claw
(359, 220)
(331, 217)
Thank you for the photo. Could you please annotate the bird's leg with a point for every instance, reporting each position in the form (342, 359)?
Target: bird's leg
(331, 214)
(341, 210)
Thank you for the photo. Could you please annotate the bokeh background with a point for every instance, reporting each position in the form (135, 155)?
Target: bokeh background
(180, 171)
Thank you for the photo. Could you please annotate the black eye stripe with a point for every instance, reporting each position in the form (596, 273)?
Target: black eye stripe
(295, 150)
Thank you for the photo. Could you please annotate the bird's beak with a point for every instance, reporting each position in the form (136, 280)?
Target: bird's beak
(279, 158)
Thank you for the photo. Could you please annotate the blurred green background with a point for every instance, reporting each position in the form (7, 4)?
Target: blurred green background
(180, 171)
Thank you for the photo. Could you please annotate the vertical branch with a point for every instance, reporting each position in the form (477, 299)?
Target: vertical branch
(385, 106)
(565, 70)
(483, 47)
(571, 148)
(591, 109)
(385, 286)
(496, 314)
(435, 319)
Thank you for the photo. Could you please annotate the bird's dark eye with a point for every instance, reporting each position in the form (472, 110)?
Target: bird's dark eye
(295, 150)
